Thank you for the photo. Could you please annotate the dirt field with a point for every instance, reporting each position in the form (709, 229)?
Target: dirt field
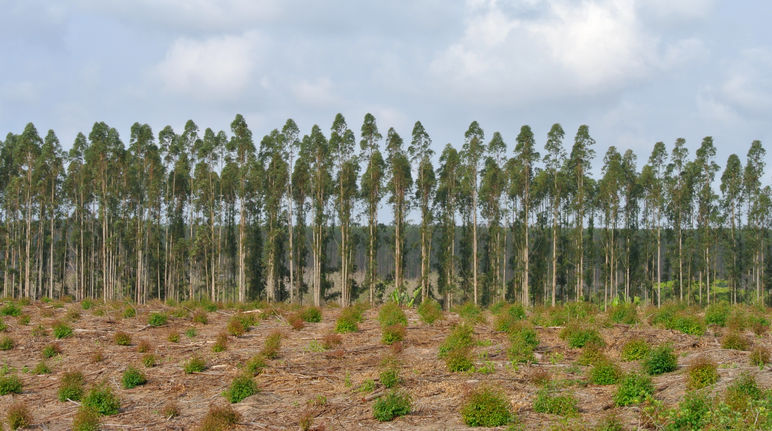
(306, 380)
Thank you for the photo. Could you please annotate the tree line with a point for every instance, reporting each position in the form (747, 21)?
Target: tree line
(214, 215)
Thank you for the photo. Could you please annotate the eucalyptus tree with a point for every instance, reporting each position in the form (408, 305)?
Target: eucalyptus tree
(207, 192)
(448, 189)
(609, 198)
(183, 195)
(631, 191)
(526, 155)
(241, 143)
(554, 167)
(371, 189)
(679, 199)
(140, 143)
(342, 143)
(301, 190)
(78, 192)
(706, 169)
(492, 186)
(49, 170)
(321, 188)
(271, 158)
(732, 195)
(399, 183)
(579, 165)
(426, 182)
(472, 153)
(655, 196)
(26, 153)
(754, 169)
(290, 145)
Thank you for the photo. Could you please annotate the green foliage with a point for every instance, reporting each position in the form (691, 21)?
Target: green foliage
(717, 314)
(660, 360)
(122, 339)
(173, 336)
(688, 324)
(459, 359)
(86, 304)
(461, 336)
(430, 311)
(391, 314)
(41, 368)
(578, 336)
(86, 419)
(236, 327)
(692, 413)
(389, 377)
(61, 330)
(742, 391)
(605, 373)
(392, 333)
(635, 349)
(391, 405)
(550, 401)
(129, 312)
(591, 354)
(220, 343)
(311, 314)
(347, 321)
(633, 389)
(702, 373)
(149, 360)
(734, 341)
(624, 313)
(759, 356)
(520, 350)
(132, 378)
(272, 345)
(6, 343)
(3, 326)
(10, 385)
(241, 387)
(157, 319)
(219, 418)
(10, 309)
(471, 313)
(367, 386)
(51, 350)
(18, 416)
(196, 364)
(486, 407)
(199, 316)
(71, 386)
(102, 400)
(255, 365)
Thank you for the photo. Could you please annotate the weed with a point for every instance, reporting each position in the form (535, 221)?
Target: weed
(122, 339)
(391, 405)
(717, 314)
(255, 365)
(605, 373)
(624, 313)
(391, 314)
(660, 360)
(635, 349)
(296, 321)
(272, 345)
(173, 336)
(149, 360)
(366, 386)
(389, 377)
(102, 399)
(196, 364)
(688, 324)
(10, 309)
(200, 316)
(591, 354)
(702, 372)
(241, 387)
(191, 332)
(170, 410)
(7, 343)
(331, 340)
(157, 319)
(549, 401)
(486, 407)
(10, 385)
(41, 368)
(759, 356)
(51, 350)
(392, 333)
(18, 415)
(71, 386)
(61, 330)
(219, 418)
(692, 413)
(132, 378)
(23, 319)
(129, 312)
(520, 351)
(3, 326)
(577, 336)
(72, 314)
(347, 321)
(459, 360)
(633, 389)
(37, 332)
(734, 341)
(460, 336)
(144, 346)
(430, 311)
(86, 419)
(235, 327)
(311, 314)
(742, 390)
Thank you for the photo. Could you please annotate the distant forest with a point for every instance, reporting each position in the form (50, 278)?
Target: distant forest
(291, 217)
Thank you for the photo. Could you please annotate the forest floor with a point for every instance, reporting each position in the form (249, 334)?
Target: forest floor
(305, 380)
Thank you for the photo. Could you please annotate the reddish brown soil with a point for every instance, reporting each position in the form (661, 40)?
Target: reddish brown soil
(291, 385)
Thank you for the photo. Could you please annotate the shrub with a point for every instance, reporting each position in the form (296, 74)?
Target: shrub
(759, 356)
(539, 376)
(688, 324)
(633, 389)
(122, 339)
(132, 378)
(219, 418)
(548, 401)
(255, 365)
(41, 368)
(391, 314)
(86, 419)
(86, 304)
(577, 336)
(520, 350)
(73, 314)
(170, 410)
(102, 400)
(10, 385)
(460, 336)
(272, 345)
(635, 349)
(347, 321)
(605, 373)
(702, 372)
(71, 386)
(173, 336)
(311, 314)
(3, 326)
(734, 341)
(392, 333)
(759, 324)
(61, 330)
(717, 314)
(51, 350)
(23, 319)
(236, 327)
(129, 312)
(660, 360)
(6, 343)
(459, 360)
(144, 346)
(241, 387)
(220, 343)
(471, 313)
(200, 317)
(486, 407)
(389, 376)
(296, 322)
(591, 354)
(18, 415)
(37, 332)
(391, 405)
(331, 340)
(149, 360)
(10, 309)
(692, 413)
(196, 364)
(157, 319)
(624, 313)
(742, 390)
(430, 311)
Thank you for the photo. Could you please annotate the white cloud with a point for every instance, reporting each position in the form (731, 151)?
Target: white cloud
(219, 67)
(318, 92)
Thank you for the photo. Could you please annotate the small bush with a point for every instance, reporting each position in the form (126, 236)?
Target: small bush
(129, 312)
(149, 360)
(460, 336)
(200, 317)
(41, 368)
(72, 314)
(742, 390)
(86, 304)
(486, 407)
(173, 336)
(3, 326)
(471, 313)
(605, 373)
(759, 324)
(170, 410)
(548, 401)
(430, 311)
(61, 330)
(577, 336)
(702, 372)
(692, 413)
(132, 378)
(591, 354)
(122, 339)
(717, 314)
(236, 327)
(459, 360)
(255, 365)
(157, 319)
(191, 332)
(391, 314)
(71, 386)
(18, 415)
(688, 324)
(196, 364)
(311, 314)
(102, 400)
(23, 319)
(331, 340)
(624, 313)
(97, 356)
(389, 377)
(37, 332)
(10, 309)
(296, 321)
(660, 360)
(51, 350)
(392, 333)
(144, 346)
(220, 343)
(241, 387)
(391, 405)
(520, 351)
(86, 419)
(272, 345)
(6, 343)
(633, 389)
(539, 376)
(734, 341)
(759, 356)
(10, 385)
(635, 349)
(347, 321)
(219, 418)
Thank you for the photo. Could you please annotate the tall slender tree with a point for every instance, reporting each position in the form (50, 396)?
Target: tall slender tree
(342, 143)
(579, 164)
(420, 156)
(526, 155)
(372, 191)
(472, 153)
(554, 161)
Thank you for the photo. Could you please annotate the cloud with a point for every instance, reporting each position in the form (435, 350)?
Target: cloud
(218, 67)
(318, 92)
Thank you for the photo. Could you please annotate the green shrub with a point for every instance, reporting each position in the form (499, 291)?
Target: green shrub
(459, 360)
(129, 312)
(486, 407)
(389, 377)
(520, 351)
(196, 364)
(759, 356)
(633, 389)
(3, 326)
(578, 336)
(51, 350)
(549, 401)
(71, 386)
(272, 345)
(200, 317)
(311, 314)
(635, 349)
(173, 336)
(605, 373)
(692, 413)
(592, 354)
(86, 419)
(149, 360)
(717, 314)
(347, 321)
(86, 304)
(191, 333)
(6, 343)
(702, 373)
(391, 314)
(734, 341)
(609, 423)
(235, 327)
(241, 387)
(392, 333)
(102, 400)
(157, 319)
(471, 313)
(132, 378)
(219, 418)
(688, 324)
(430, 311)
(122, 339)
(10, 385)
(23, 319)
(624, 313)
(460, 336)
(10, 309)
(18, 415)
(742, 390)
(660, 360)
(220, 343)
(41, 368)
(391, 405)
(61, 330)
(255, 365)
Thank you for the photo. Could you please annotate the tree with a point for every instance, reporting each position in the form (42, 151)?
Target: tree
(321, 184)
(399, 183)
(706, 174)
(372, 191)
(526, 155)
(271, 157)
(290, 145)
(579, 165)
(49, 171)
(656, 198)
(492, 185)
(342, 142)
(554, 161)
(420, 155)
(448, 189)
(241, 143)
(679, 199)
(732, 191)
(754, 169)
(609, 188)
(472, 153)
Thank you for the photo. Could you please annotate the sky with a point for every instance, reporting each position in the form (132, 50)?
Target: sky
(636, 72)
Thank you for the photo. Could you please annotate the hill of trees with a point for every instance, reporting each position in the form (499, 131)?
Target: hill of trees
(218, 215)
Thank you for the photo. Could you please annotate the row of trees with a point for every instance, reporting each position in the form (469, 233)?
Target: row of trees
(192, 215)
